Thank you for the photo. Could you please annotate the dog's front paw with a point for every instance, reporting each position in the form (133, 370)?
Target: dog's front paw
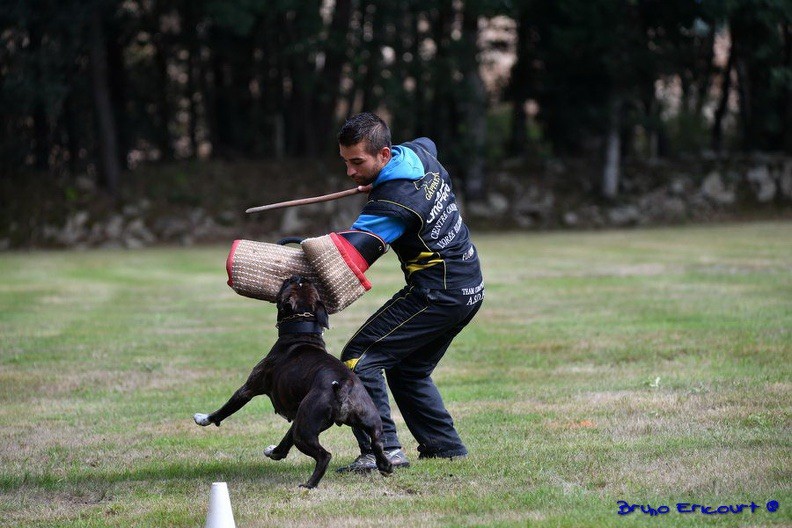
(202, 419)
(269, 452)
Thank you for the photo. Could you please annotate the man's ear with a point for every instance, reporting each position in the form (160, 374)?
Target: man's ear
(321, 315)
(385, 153)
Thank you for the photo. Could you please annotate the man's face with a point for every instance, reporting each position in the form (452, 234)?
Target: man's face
(361, 166)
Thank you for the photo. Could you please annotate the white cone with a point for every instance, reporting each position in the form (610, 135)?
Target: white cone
(220, 514)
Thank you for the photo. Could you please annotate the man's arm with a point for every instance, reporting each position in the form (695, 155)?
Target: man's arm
(368, 239)
(388, 228)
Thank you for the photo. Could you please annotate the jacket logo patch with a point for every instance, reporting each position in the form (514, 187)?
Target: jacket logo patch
(429, 185)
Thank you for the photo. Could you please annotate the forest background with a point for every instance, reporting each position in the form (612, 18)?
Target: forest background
(136, 122)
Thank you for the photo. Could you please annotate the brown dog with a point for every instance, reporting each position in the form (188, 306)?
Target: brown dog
(307, 386)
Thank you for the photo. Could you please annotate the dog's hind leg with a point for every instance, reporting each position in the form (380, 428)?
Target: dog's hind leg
(383, 464)
(280, 451)
(254, 386)
(309, 444)
(313, 449)
(313, 417)
(236, 402)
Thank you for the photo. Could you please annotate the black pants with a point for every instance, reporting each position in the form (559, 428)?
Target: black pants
(406, 338)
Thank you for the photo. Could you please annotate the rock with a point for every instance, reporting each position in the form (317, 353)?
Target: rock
(681, 186)
(785, 180)
(114, 227)
(130, 211)
(96, 236)
(171, 228)
(534, 208)
(715, 190)
(763, 185)
(570, 219)
(674, 209)
(137, 230)
(50, 233)
(662, 207)
(524, 222)
(480, 209)
(555, 167)
(75, 229)
(227, 218)
(590, 216)
(197, 216)
(624, 215)
(498, 203)
(112, 244)
(133, 243)
(85, 184)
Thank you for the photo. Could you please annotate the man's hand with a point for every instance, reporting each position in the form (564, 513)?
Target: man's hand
(365, 188)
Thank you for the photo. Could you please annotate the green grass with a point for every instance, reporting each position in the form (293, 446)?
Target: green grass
(648, 366)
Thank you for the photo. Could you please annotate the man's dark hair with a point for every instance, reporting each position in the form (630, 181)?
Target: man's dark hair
(365, 126)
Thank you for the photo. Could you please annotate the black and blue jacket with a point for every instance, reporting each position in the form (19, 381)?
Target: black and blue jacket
(413, 208)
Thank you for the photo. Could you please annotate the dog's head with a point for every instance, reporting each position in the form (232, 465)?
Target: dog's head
(299, 297)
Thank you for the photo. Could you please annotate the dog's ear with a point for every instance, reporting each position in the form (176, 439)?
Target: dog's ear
(320, 312)
(279, 300)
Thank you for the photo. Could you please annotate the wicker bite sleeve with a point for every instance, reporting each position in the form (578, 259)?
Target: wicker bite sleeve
(342, 279)
(258, 269)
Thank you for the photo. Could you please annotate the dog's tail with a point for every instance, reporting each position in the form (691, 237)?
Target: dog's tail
(336, 387)
(341, 389)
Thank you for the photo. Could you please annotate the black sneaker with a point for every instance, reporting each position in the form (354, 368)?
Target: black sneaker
(367, 462)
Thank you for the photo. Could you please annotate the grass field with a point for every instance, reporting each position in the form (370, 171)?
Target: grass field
(646, 366)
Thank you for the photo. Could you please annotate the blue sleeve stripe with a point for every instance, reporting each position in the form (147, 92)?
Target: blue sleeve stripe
(385, 227)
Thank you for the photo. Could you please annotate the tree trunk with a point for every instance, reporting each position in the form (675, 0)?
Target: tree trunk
(108, 144)
(474, 108)
(746, 105)
(162, 104)
(40, 122)
(272, 77)
(71, 120)
(117, 83)
(723, 104)
(518, 136)
(335, 58)
(705, 78)
(518, 90)
(611, 172)
(786, 93)
(442, 74)
(193, 74)
(373, 65)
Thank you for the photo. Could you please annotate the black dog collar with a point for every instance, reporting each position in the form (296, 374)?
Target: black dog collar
(299, 327)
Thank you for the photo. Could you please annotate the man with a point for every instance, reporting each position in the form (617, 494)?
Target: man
(411, 207)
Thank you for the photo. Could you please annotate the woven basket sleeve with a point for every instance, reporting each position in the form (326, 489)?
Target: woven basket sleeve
(258, 269)
(341, 284)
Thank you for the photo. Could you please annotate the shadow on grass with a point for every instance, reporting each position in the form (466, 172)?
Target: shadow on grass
(216, 471)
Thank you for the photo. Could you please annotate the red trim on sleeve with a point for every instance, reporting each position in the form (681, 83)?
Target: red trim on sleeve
(230, 262)
(353, 259)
